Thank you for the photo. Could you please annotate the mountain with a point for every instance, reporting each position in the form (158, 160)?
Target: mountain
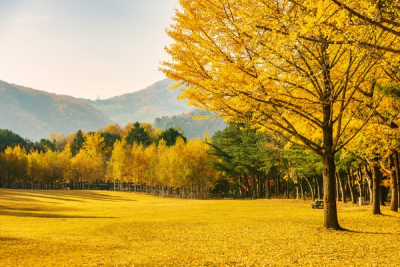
(144, 105)
(35, 114)
(191, 127)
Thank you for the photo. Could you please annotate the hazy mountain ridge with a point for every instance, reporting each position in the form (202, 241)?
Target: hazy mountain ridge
(144, 105)
(35, 114)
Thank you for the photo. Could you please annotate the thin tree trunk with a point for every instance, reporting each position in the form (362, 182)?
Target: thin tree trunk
(360, 181)
(337, 188)
(350, 182)
(253, 185)
(341, 186)
(287, 188)
(311, 188)
(318, 187)
(370, 184)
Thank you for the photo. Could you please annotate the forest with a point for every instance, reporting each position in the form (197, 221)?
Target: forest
(136, 158)
(238, 162)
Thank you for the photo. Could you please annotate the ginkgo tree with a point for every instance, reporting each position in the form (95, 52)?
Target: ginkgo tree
(285, 66)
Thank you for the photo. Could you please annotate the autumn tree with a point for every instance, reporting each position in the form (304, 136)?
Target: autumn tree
(138, 164)
(94, 147)
(59, 140)
(80, 168)
(278, 65)
(197, 163)
(148, 128)
(14, 170)
(113, 129)
(151, 159)
(118, 167)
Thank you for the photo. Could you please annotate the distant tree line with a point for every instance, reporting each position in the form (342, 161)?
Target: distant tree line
(136, 158)
(240, 162)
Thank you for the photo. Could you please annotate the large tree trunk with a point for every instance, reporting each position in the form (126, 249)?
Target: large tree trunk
(329, 183)
(396, 167)
(328, 152)
(328, 155)
(376, 189)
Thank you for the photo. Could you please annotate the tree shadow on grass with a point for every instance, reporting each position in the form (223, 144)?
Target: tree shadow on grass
(388, 215)
(49, 215)
(76, 195)
(368, 233)
(61, 195)
(20, 208)
(29, 197)
(9, 239)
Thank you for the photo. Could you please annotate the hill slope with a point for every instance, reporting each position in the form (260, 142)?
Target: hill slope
(144, 105)
(192, 128)
(35, 114)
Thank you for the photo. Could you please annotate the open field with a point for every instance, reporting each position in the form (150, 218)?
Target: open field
(96, 228)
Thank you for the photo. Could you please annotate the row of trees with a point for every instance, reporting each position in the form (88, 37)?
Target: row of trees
(257, 164)
(240, 161)
(163, 164)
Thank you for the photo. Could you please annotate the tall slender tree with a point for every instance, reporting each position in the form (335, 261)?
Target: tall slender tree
(77, 142)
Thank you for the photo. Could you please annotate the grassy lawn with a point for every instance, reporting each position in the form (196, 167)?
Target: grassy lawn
(96, 228)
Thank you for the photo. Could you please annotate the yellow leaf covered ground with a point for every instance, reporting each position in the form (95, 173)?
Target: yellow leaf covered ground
(96, 228)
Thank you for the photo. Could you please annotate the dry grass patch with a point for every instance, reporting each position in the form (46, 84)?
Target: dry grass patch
(96, 228)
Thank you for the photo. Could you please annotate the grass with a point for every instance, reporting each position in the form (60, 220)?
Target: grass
(96, 228)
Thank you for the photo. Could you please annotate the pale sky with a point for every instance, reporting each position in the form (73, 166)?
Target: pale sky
(84, 48)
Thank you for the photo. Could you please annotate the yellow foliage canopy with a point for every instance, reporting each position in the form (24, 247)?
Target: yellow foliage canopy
(280, 64)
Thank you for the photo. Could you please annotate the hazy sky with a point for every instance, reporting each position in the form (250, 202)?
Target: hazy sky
(84, 48)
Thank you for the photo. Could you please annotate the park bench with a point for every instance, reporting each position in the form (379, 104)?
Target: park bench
(318, 204)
